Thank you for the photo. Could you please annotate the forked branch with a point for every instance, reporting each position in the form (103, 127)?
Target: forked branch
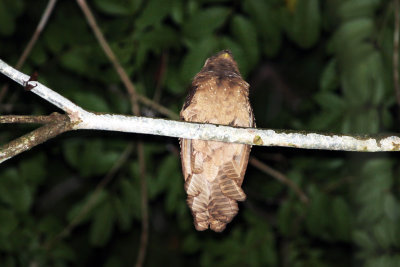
(80, 119)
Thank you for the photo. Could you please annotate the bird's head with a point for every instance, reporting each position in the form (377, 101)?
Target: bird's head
(221, 64)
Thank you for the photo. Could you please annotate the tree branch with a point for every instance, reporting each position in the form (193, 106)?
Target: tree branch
(29, 119)
(60, 123)
(45, 17)
(117, 66)
(280, 177)
(82, 119)
(136, 111)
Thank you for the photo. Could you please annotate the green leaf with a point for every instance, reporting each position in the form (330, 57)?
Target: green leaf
(175, 198)
(317, 218)
(39, 55)
(75, 60)
(374, 77)
(383, 234)
(350, 34)
(192, 6)
(213, 1)
(168, 180)
(191, 244)
(118, 7)
(10, 261)
(330, 101)
(8, 222)
(9, 10)
(167, 169)
(358, 8)
(123, 214)
(371, 122)
(174, 82)
(382, 261)
(238, 53)
(131, 196)
(95, 159)
(363, 240)
(102, 224)
(285, 224)
(245, 34)
(154, 12)
(14, 191)
(49, 225)
(63, 252)
(158, 39)
(196, 57)
(305, 25)
(87, 206)
(391, 207)
(32, 169)
(329, 79)
(204, 22)
(90, 157)
(177, 11)
(327, 120)
(114, 261)
(341, 223)
(91, 101)
(266, 18)
(58, 35)
(71, 151)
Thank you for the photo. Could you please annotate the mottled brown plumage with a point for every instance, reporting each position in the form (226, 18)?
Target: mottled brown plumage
(214, 171)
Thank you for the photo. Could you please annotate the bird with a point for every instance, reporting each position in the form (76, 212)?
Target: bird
(214, 171)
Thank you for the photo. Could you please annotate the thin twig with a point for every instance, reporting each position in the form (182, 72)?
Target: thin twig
(109, 53)
(144, 208)
(338, 183)
(161, 109)
(43, 20)
(42, 91)
(59, 125)
(160, 77)
(93, 199)
(136, 111)
(120, 70)
(396, 51)
(28, 119)
(280, 177)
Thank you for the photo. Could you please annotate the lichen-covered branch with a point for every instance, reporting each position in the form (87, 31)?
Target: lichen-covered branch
(29, 119)
(43, 21)
(251, 136)
(60, 124)
(41, 90)
(280, 177)
(81, 119)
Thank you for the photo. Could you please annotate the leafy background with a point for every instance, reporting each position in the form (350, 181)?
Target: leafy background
(312, 65)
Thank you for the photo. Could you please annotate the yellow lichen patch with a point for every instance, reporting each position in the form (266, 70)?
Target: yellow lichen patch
(257, 140)
(396, 147)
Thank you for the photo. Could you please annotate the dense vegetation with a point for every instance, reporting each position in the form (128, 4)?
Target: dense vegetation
(312, 65)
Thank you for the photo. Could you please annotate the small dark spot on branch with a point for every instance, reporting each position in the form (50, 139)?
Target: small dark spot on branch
(33, 78)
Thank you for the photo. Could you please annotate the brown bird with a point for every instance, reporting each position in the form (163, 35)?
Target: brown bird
(214, 171)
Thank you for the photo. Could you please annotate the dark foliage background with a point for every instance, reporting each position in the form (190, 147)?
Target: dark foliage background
(312, 65)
